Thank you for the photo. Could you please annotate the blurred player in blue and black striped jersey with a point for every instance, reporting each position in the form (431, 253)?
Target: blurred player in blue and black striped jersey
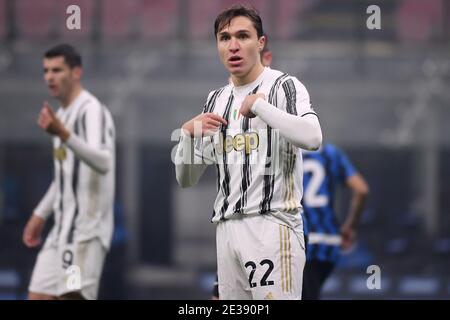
(323, 171)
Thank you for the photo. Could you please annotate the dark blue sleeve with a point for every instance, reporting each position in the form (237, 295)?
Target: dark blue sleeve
(342, 166)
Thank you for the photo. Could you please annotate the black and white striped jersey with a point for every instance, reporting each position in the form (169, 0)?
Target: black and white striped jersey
(83, 199)
(258, 170)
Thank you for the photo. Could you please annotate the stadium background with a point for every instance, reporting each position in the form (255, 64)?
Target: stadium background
(382, 96)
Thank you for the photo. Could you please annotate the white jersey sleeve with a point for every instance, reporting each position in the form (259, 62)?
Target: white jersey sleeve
(189, 159)
(188, 166)
(294, 97)
(295, 119)
(45, 206)
(91, 150)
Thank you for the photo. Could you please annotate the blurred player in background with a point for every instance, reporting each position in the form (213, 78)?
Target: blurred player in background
(249, 126)
(70, 263)
(323, 172)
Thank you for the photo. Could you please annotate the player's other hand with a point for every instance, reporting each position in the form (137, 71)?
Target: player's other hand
(49, 121)
(33, 230)
(246, 107)
(204, 124)
(348, 236)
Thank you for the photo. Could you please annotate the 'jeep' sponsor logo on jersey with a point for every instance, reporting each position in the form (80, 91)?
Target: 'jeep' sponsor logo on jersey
(60, 153)
(247, 142)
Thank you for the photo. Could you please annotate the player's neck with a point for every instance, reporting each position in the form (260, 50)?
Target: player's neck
(67, 101)
(249, 77)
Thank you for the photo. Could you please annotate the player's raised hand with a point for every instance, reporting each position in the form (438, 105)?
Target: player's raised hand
(46, 117)
(204, 124)
(32, 233)
(246, 107)
(49, 121)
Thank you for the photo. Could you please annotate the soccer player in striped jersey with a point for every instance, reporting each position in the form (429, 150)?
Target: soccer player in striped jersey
(81, 195)
(266, 60)
(324, 171)
(251, 130)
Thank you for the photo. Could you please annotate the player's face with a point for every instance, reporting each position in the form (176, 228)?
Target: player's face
(59, 77)
(239, 47)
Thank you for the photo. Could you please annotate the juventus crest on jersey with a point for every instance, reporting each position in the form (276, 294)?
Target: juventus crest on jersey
(83, 204)
(256, 167)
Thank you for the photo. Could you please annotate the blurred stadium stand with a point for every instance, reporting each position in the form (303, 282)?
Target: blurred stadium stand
(3, 20)
(34, 19)
(117, 19)
(381, 95)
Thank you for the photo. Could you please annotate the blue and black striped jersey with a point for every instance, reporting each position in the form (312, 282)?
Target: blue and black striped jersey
(323, 171)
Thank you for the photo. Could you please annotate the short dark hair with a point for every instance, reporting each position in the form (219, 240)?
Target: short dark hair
(70, 54)
(225, 17)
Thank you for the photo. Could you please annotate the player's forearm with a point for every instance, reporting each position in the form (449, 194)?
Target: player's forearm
(187, 171)
(360, 192)
(45, 206)
(304, 132)
(63, 134)
(357, 205)
(189, 174)
(98, 159)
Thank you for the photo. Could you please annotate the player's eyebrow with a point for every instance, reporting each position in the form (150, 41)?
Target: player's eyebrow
(54, 69)
(223, 33)
(241, 31)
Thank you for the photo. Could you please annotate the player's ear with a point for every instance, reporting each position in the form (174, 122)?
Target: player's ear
(262, 43)
(77, 72)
